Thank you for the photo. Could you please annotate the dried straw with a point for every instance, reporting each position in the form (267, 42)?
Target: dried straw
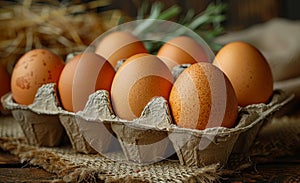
(61, 28)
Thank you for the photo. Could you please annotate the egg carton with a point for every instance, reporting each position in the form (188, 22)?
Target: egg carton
(143, 140)
(253, 117)
(78, 142)
(150, 138)
(153, 137)
(39, 121)
(44, 123)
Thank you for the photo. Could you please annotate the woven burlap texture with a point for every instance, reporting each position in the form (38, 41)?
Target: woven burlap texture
(76, 167)
(277, 138)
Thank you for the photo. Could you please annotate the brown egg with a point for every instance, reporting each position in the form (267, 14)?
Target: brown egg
(4, 82)
(83, 74)
(202, 97)
(119, 45)
(248, 71)
(138, 80)
(35, 68)
(182, 50)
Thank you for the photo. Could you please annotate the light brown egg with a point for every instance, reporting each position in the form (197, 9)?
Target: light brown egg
(248, 71)
(4, 82)
(202, 97)
(182, 50)
(138, 80)
(33, 69)
(83, 74)
(119, 45)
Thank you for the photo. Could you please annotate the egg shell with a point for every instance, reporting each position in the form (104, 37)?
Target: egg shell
(203, 97)
(119, 45)
(182, 50)
(247, 70)
(138, 80)
(35, 68)
(84, 74)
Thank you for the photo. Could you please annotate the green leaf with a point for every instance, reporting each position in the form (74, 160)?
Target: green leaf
(208, 23)
(170, 13)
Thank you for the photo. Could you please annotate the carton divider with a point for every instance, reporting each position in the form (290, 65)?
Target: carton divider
(142, 145)
(99, 135)
(201, 149)
(77, 140)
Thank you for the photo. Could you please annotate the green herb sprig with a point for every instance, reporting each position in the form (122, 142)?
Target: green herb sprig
(208, 23)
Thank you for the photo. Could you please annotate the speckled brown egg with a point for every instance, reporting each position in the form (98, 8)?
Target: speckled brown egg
(138, 80)
(119, 45)
(247, 70)
(83, 75)
(33, 69)
(203, 97)
(182, 50)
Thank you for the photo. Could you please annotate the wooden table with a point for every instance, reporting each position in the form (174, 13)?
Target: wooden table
(11, 170)
(283, 170)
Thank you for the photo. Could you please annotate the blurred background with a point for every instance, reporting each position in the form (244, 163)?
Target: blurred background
(239, 14)
(67, 26)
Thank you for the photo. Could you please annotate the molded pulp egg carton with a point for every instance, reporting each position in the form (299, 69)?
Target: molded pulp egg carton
(44, 123)
(39, 121)
(153, 137)
(150, 138)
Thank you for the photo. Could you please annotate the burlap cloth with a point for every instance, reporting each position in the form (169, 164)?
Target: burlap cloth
(279, 137)
(76, 167)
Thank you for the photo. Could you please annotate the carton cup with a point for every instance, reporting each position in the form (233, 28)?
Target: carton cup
(94, 125)
(142, 144)
(215, 145)
(142, 140)
(145, 139)
(203, 147)
(250, 123)
(87, 130)
(79, 144)
(39, 121)
(253, 117)
(45, 123)
(99, 135)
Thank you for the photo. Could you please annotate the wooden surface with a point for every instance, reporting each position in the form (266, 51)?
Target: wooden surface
(283, 170)
(11, 170)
